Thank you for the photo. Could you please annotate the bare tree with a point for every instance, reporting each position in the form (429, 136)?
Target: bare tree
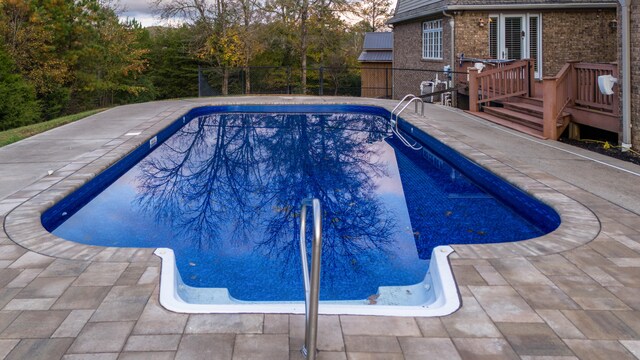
(305, 15)
(374, 13)
(250, 13)
(191, 10)
(304, 42)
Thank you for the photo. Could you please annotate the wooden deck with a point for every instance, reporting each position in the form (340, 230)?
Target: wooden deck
(505, 93)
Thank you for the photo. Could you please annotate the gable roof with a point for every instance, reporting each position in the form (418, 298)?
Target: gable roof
(377, 47)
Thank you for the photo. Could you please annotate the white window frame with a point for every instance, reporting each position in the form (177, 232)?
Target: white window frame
(538, 19)
(526, 40)
(432, 40)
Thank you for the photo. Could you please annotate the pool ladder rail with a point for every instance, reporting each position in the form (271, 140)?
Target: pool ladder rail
(394, 122)
(311, 282)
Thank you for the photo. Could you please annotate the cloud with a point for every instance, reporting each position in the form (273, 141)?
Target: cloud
(141, 10)
(137, 6)
(145, 20)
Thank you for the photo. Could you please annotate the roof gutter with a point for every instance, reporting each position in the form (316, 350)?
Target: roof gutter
(626, 75)
(417, 13)
(529, 6)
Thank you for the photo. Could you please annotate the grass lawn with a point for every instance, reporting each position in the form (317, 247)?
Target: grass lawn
(10, 136)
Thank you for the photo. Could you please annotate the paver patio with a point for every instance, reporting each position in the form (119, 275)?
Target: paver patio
(560, 298)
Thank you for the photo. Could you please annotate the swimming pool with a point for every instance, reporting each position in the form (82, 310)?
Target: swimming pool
(249, 167)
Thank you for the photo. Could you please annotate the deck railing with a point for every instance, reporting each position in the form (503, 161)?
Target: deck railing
(574, 90)
(501, 82)
(587, 93)
(557, 94)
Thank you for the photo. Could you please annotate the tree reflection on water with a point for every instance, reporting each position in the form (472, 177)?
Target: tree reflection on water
(240, 178)
(224, 193)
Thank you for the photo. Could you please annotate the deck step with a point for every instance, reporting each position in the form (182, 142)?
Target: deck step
(521, 113)
(509, 124)
(525, 108)
(517, 117)
(526, 100)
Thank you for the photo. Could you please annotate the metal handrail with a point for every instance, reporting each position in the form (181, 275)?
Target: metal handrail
(311, 286)
(394, 123)
(415, 98)
(400, 103)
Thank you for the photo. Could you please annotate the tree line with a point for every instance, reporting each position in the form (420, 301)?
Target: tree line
(61, 57)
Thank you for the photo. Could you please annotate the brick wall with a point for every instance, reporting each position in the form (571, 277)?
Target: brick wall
(577, 35)
(471, 38)
(567, 35)
(407, 54)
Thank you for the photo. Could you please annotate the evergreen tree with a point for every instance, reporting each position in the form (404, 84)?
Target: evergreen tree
(77, 54)
(172, 69)
(18, 106)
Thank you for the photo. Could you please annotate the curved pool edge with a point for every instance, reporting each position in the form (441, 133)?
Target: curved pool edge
(445, 299)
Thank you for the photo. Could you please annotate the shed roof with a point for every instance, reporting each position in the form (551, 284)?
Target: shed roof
(377, 47)
(376, 56)
(378, 41)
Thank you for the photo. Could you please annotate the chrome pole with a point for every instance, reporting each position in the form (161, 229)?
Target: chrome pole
(312, 284)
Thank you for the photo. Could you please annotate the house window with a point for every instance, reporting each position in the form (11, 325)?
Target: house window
(516, 36)
(432, 40)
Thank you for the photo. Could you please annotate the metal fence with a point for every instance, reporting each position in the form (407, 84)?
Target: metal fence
(376, 82)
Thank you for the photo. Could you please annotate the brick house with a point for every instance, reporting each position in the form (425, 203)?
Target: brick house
(429, 34)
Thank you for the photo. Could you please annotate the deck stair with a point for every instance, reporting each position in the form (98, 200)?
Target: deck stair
(523, 114)
(504, 92)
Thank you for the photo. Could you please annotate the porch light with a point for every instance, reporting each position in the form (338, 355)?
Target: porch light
(481, 22)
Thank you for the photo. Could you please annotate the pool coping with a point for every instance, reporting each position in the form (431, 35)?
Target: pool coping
(22, 224)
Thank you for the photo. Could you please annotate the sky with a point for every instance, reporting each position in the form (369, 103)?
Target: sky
(143, 11)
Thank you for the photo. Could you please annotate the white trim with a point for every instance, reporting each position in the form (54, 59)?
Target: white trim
(435, 33)
(437, 295)
(503, 51)
(532, 6)
(539, 73)
(526, 49)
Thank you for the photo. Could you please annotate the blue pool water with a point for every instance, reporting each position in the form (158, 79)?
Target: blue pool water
(224, 192)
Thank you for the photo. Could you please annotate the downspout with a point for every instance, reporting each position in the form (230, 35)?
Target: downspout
(452, 23)
(626, 75)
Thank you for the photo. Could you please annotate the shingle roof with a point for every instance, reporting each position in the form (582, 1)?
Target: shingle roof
(407, 5)
(411, 9)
